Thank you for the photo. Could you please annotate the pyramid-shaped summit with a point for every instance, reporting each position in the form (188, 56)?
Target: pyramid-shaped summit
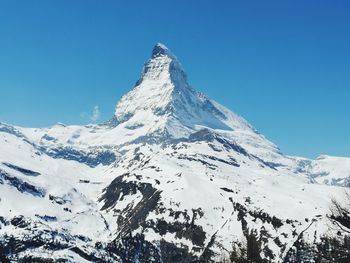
(161, 50)
(163, 98)
(162, 74)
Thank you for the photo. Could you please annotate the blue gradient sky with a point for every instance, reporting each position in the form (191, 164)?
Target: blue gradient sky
(283, 65)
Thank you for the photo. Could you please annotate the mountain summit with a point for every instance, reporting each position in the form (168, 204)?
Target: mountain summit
(161, 50)
(164, 98)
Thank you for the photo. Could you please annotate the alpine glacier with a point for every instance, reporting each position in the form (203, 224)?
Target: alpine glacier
(173, 177)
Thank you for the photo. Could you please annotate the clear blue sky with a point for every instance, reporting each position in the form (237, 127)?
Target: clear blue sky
(283, 65)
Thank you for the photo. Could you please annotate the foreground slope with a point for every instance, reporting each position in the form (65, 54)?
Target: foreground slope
(173, 177)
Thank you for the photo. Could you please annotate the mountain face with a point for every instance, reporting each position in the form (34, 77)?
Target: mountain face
(163, 96)
(175, 177)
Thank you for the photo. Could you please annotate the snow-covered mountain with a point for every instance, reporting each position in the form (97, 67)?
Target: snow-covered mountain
(173, 177)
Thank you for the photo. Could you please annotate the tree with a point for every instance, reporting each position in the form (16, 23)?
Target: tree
(3, 258)
(340, 215)
(248, 251)
(338, 248)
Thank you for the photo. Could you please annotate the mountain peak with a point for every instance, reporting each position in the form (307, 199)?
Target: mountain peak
(161, 50)
(163, 65)
(161, 77)
(163, 100)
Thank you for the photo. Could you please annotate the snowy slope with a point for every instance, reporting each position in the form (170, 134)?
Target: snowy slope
(330, 170)
(175, 177)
